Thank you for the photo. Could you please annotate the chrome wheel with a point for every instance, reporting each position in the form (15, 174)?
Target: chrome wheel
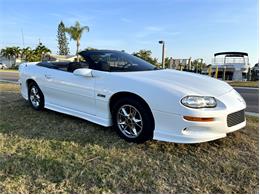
(35, 97)
(129, 121)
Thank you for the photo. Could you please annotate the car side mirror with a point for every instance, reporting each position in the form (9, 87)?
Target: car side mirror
(85, 72)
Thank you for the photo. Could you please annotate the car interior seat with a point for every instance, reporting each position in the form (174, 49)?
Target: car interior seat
(76, 65)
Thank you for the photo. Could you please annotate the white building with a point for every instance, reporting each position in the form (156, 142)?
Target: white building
(9, 62)
(234, 65)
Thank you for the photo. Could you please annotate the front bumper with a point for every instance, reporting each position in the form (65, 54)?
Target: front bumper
(174, 128)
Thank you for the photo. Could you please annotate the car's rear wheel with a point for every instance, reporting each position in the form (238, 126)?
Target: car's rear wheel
(132, 120)
(35, 96)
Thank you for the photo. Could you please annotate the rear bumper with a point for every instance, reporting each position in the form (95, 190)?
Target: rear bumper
(174, 128)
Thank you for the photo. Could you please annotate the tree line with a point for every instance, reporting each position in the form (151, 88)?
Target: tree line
(37, 53)
(75, 33)
(27, 54)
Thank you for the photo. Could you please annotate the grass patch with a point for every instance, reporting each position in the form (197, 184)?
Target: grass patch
(8, 70)
(49, 152)
(7, 87)
(244, 84)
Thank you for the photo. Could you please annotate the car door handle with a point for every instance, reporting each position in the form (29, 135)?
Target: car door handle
(48, 76)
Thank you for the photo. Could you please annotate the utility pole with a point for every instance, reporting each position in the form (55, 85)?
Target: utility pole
(163, 53)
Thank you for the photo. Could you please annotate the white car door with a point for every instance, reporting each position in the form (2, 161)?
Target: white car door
(68, 92)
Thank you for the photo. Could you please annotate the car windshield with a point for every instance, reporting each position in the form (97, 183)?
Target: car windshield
(115, 61)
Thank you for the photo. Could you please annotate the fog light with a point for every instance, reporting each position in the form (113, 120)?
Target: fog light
(185, 131)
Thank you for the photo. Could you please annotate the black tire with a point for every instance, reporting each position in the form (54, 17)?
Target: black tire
(39, 94)
(147, 120)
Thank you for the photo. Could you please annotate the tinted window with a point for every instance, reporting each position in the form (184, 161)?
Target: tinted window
(115, 61)
(75, 65)
(54, 65)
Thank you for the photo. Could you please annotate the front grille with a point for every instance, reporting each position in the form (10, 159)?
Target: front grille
(235, 118)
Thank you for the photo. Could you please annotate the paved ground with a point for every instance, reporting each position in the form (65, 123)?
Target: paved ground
(251, 95)
(9, 76)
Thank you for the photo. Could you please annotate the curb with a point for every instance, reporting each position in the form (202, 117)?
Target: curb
(7, 81)
(12, 72)
(253, 88)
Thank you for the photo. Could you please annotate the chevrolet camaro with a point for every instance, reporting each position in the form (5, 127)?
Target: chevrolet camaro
(141, 102)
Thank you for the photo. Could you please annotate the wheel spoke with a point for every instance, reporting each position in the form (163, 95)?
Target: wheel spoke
(134, 131)
(34, 90)
(124, 128)
(137, 120)
(124, 112)
(140, 126)
(132, 112)
(122, 123)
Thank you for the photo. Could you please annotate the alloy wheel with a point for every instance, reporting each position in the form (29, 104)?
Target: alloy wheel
(35, 97)
(129, 121)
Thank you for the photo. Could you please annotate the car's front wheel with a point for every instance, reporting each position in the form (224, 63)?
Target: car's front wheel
(132, 120)
(35, 96)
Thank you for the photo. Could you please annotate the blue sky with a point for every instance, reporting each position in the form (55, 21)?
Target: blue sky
(196, 28)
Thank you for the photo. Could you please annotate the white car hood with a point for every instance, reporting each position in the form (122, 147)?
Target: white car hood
(188, 83)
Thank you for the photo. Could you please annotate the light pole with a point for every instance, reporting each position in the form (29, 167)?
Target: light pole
(163, 53)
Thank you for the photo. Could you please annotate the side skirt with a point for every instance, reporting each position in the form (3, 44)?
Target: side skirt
(92, 118)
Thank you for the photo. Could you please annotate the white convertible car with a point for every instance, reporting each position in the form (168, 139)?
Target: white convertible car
(141, 102)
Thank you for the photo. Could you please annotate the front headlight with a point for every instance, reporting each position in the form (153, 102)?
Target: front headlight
(199, 101)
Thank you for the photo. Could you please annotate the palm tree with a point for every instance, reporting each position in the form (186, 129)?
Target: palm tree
(41, 50)
(17, 52)
(11, 52)
(25, 52)
(4, 53)
(8, 52)
(75, 33)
